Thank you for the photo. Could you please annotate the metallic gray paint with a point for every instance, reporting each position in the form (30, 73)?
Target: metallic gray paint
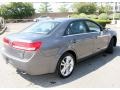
(54, 45)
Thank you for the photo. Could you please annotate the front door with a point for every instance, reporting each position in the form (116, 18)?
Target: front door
(82, 40)
(101, 40)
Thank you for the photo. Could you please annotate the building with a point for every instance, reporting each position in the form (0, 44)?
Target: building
(114, 5)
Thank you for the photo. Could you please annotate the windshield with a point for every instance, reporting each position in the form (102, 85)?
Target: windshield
(42, 27)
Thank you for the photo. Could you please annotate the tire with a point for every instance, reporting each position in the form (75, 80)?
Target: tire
(65, 69)
(110, 48)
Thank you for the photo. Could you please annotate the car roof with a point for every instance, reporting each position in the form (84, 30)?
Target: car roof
(72, 19)
(67, 19)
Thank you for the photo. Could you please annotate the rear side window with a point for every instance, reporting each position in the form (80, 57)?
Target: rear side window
(76, 27)
(93, 27)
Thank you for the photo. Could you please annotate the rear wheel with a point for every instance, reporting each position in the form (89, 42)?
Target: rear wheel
(65, 65)
(110, 46)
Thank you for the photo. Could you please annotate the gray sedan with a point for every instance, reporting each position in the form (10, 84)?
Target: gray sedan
(56, 45)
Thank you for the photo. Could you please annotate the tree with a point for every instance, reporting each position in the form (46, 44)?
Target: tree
(63, 8)
(17, 10)
(45, 7)
(3, 11)
(104, 9)
(87, 8)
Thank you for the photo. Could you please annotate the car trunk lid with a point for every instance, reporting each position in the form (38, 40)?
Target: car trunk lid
(21, 45)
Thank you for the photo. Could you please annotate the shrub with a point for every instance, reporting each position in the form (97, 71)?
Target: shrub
(116, 16)
(92, 16)
(102, 22)
(83, 15)
(74, 16)
(103, 16)
(110, 16)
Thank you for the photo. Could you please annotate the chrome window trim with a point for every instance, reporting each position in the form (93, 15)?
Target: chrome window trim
(80, 34)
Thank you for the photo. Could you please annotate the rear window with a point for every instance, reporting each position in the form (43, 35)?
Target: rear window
(42, 27)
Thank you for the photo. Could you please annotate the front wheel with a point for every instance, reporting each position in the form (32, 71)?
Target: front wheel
(66, 65)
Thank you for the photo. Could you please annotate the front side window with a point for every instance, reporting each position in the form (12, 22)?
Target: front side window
(76, 28)
(92, 26)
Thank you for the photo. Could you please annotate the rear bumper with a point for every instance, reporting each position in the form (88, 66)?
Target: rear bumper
(38, 64)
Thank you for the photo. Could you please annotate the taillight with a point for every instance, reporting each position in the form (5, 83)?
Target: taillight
(6, 40)
(26, 45)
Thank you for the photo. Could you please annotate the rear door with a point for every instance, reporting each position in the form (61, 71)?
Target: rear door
(82, 41)
(101, 39)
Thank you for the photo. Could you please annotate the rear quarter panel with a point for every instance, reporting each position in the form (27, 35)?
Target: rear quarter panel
(54, 47)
